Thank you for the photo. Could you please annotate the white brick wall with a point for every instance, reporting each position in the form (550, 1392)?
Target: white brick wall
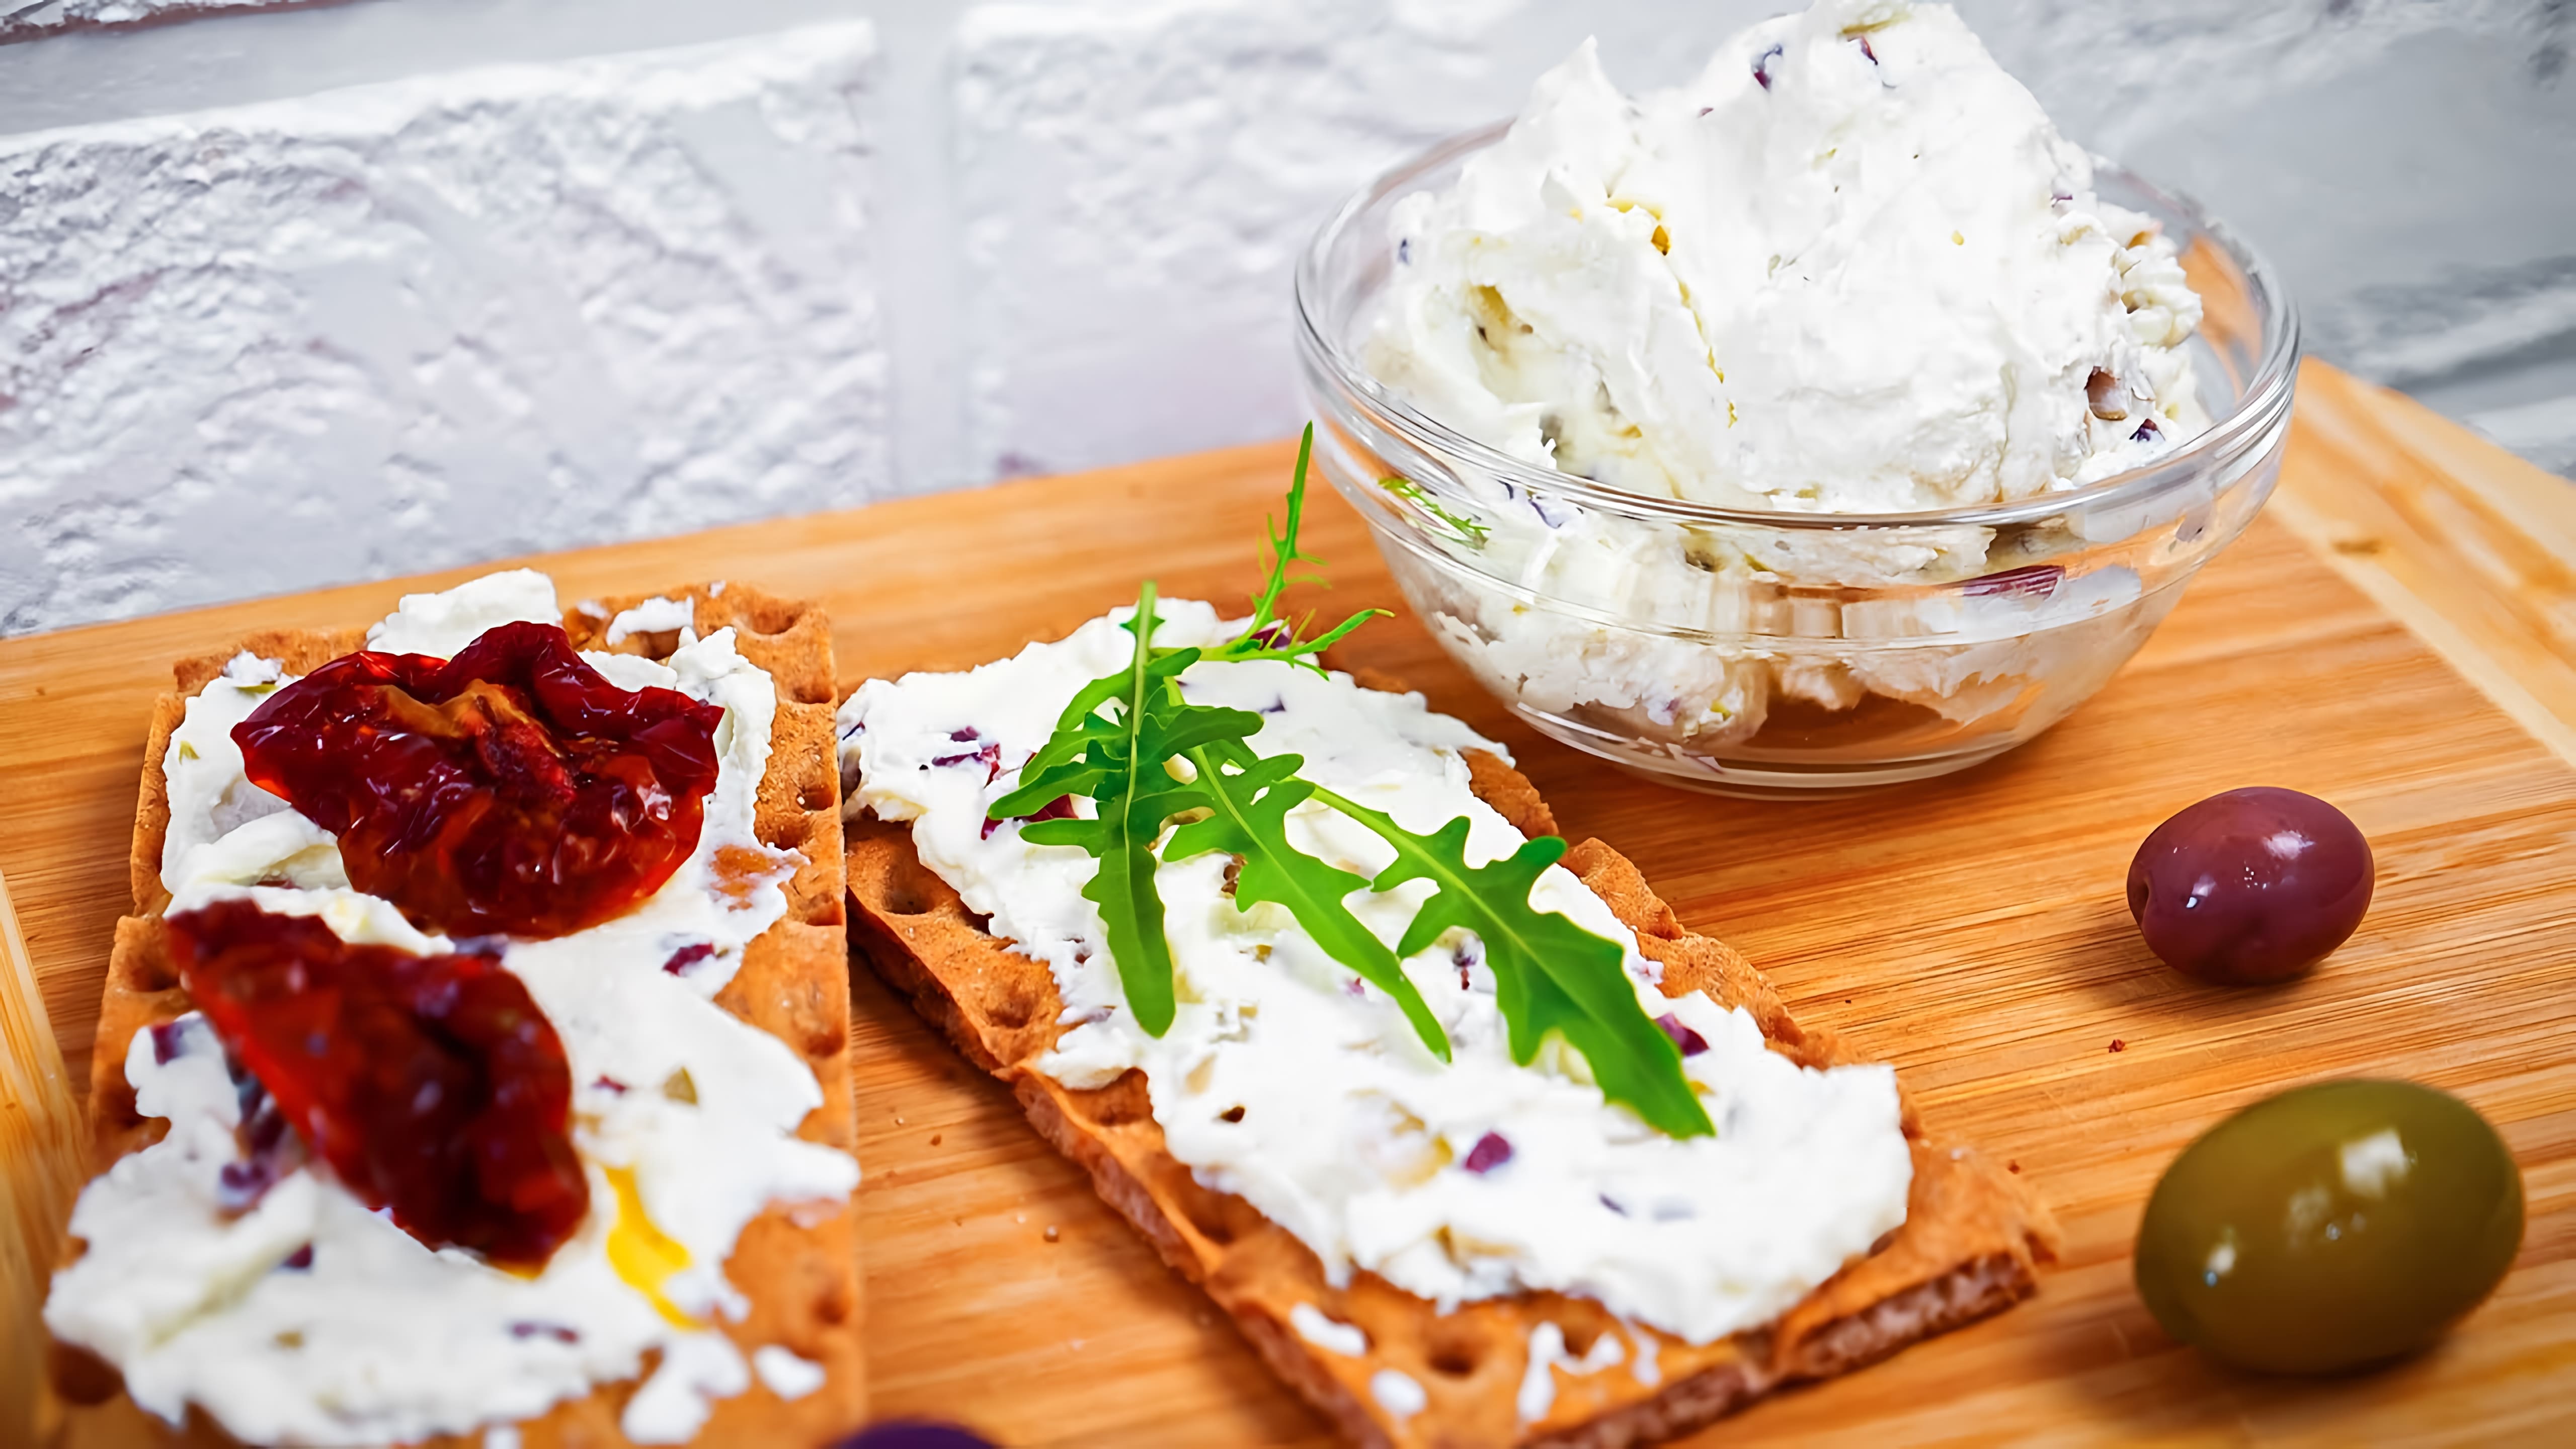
(25, 19)
(1135, 181)
(425, 322)
(2402, 160)
(305, 292)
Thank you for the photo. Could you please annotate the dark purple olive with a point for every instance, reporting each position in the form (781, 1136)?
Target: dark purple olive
(2251, 886)
(914, 1434)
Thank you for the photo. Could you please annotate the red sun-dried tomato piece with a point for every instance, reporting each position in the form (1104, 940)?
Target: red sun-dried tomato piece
(432, 1085)
(510, 790)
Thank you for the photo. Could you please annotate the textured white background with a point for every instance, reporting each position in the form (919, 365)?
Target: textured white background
(300, 293)
(31, 17)
(430, 321)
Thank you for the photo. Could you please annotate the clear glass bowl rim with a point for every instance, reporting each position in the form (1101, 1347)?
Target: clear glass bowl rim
(2266, 396)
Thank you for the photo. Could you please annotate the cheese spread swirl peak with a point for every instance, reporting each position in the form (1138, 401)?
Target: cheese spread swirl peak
(1851, 267)
(1287, 1079)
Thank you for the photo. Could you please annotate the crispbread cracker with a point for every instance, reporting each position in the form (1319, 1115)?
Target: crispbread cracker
(1969, 1245)
(797, 1266)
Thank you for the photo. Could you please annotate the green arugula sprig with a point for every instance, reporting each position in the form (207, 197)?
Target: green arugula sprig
(1119, 761)
(1248, 818)
(1466, 530)
(1549, 973)
(1268, 636)
(1147, 758)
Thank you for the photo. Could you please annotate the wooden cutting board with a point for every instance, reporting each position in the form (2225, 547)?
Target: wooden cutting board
(1971, 930)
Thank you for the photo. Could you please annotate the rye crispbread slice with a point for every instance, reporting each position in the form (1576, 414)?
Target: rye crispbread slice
(1969, 1246)
(798, 1266)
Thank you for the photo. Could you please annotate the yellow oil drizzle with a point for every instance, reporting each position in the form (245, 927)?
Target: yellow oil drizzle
(643, 1254)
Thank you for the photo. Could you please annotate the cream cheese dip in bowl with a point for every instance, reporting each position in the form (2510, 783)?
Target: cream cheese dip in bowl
(1761, 645)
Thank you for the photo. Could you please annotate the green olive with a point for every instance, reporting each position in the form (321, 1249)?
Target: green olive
(2331, 1227)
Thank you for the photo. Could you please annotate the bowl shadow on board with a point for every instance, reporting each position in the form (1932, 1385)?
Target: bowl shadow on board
(2106, 955)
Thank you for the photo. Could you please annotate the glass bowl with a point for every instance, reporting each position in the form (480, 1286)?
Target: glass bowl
(1835, 651)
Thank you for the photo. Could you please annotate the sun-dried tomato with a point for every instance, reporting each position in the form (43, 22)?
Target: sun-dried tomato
(432, 1085)
(510, 790)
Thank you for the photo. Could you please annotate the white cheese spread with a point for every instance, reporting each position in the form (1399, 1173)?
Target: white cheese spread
(653, 616)
(1398, 1392)
(309, 1319)
(1327, 1332)
(440, 624)
(785, 1373)
(1286, 1079)
(1547, 1354)
(1648, 1365)
(1850, 268)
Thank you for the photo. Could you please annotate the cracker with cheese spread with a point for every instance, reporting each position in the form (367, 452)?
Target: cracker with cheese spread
(676, 1263)
(1474, 1141)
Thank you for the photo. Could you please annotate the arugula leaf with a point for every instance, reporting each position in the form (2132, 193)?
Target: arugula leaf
(1283, 545)
(1090, 759)
(1249, 820)
(1550, 974)
(1467, 530)
(1063, 766)
(1115, 743)
(1124, 766)
(1267, 636)
(1066, 764)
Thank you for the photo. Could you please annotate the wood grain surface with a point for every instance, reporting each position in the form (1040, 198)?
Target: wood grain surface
(2466, 544)
(44, 1154)
(1971, 930)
